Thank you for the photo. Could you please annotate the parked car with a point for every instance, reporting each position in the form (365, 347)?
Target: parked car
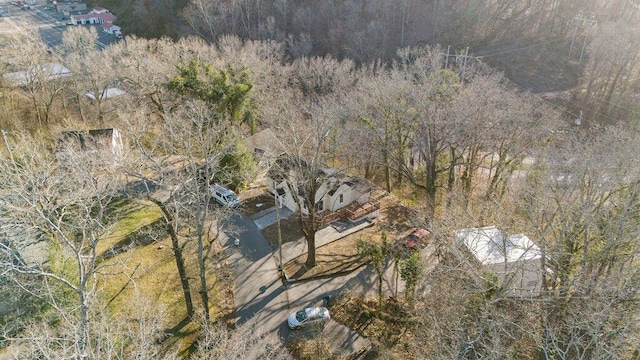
(224, 196)
(417, 239)
(308, 316)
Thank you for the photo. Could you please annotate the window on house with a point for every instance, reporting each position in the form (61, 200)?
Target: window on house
(341, 199)
(320, 205)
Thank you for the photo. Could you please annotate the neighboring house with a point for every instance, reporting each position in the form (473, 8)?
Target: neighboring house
(99, 10)
(106, 94)
(98, 143)
(111, 28)
(265, 148)
(50, 71)
(336, 192)
(98, 15)
(515, 260)
(71, 8)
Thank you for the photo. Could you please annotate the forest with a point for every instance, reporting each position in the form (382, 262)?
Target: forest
(522, 115)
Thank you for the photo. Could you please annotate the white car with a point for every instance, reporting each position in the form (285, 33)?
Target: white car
(224, 196)
(304, 317)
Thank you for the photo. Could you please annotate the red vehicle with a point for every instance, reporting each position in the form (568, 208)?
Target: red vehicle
(417, 239)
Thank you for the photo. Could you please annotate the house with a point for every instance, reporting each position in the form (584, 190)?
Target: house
(97, 143)
(336, 191)
(515, 260)
(36, 73)
(265, 148)
(110, 28)
(106, 94)
(71, 8)
(97, 15)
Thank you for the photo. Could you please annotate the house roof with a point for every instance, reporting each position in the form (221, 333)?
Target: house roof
(106, 94)
(105, 17)
(99, 9)
(50, 71)
(79, 140)
(491, 246)
(264, 144)
(108, 25)
(280, 169)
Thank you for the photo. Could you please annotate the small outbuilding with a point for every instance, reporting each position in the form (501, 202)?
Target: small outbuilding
(98, 144)
(514, 259)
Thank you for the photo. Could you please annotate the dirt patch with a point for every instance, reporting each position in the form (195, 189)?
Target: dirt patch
(338, 257)
(310, 349)
(343, 256)
(255, 200)
(289, 231)
(388, 325)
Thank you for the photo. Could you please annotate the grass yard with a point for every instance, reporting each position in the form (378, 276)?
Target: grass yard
(143, 282)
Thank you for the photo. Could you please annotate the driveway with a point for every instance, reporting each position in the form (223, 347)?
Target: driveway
(259, 293)
(261, 296)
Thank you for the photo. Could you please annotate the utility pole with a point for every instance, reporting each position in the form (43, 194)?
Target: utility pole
(405, 21)
(464, 66)
(282, 273)
(446, 59)
(580, 21)
(465, 59)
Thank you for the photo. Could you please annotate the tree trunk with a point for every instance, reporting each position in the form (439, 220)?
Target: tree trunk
(309, 229)
(451, 174)
(431, 188)
(311, 245)
(311, 254)
(204, 294)
(387, 171)
(380, 288)
(83, 329)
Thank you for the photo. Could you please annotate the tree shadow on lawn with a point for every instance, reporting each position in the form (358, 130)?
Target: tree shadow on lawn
(327, 265)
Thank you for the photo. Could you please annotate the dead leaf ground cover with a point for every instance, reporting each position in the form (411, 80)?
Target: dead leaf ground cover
(343, 255)
(389, 325)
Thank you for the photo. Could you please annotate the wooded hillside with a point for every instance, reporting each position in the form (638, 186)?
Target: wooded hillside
(451, 138)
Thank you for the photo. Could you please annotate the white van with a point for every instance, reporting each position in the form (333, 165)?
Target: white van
(224, 196)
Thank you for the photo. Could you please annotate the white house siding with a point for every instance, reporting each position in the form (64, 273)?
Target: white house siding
(519, 278)
(333, 201)
(287, 198)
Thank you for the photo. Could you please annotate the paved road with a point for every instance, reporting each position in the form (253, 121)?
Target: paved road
(45, 23)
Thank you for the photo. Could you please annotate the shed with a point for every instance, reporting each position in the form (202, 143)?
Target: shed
(514, 259)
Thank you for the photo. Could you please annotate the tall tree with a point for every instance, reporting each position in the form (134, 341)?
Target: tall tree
(39, 73)
(68, 208)
(378, 254)
(582, 203)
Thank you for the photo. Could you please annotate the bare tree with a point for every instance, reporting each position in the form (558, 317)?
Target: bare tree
(434, 91)
(586, 222)
(201, 17)
(244, 342)
(67, 207)
(39, 73)
(93, 73)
